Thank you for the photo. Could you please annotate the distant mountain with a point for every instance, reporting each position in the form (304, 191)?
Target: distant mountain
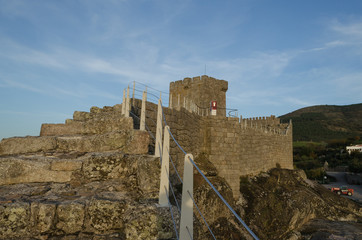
(326, 122)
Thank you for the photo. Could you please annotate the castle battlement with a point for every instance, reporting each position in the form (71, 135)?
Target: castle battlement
(261, 121)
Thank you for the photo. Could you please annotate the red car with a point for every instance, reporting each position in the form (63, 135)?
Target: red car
(343, 190)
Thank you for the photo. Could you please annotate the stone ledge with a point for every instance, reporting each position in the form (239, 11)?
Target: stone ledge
(65, 165)
(100, 125)
(132, 142)
(14, 170)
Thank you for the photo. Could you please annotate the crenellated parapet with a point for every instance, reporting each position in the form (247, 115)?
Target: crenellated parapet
(266, 121)
(266, 124)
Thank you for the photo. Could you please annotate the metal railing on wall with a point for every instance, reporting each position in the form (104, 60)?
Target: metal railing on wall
(185, 229)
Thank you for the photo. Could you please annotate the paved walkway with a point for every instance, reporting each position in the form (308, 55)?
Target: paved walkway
(341, 181)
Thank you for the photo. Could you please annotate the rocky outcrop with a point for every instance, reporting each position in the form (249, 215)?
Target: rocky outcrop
(90, 178)
(98, 194)
(279, 203)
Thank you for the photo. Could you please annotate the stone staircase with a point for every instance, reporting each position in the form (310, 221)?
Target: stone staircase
(90, 178)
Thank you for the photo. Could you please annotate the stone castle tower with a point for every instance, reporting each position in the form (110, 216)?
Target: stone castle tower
(235, 146)
(196, 94)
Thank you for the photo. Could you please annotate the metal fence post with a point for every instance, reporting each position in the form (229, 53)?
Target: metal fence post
(164, 183)
(158, 144)
(186, 223)
(134, 86)
(143, 111)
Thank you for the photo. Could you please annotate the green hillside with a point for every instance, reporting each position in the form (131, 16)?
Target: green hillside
(326, 122)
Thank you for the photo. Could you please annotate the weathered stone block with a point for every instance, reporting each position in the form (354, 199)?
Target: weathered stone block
(147, 167)
(14, 170)
(101, 166)
(142, 223)
(19, 145)
(59, 129)
(81, 116)
(95, 109)
(14, 220)
(96, 143)
(42, 216)
(97, 125)
(139, 143)
(70, 217)
(105, 215)
(65, 165)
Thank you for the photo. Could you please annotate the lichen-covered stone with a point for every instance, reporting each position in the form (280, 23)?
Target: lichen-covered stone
(81, 116)
(99, 166)
(70, 217)
(142, 223)
(42, 216)
(149, 167)
(105, 215)
(14, 220)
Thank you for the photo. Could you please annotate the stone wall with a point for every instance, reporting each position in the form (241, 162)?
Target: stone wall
(185, 126)
(235, 147)
(200, 91)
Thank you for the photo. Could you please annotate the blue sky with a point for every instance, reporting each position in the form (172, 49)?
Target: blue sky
(278, 56)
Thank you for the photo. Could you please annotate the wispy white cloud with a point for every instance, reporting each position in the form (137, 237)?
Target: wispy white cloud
(352, 29)
(78, 91)
(14, 84)
(326, 46)
(335, 43)
(20, 53)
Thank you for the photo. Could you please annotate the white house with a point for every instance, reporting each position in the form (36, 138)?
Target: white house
(354, 148)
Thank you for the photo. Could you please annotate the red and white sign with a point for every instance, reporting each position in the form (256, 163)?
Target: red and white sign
(213, 108)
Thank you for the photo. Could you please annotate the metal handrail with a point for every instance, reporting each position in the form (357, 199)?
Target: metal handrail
(173, 220)
(225, 202)
(212, 186)
(206, 179)
(193, 200)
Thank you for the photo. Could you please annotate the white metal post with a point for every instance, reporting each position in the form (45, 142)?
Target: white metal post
(134, 86)
(143, 111)
(164, 183)
(124, 102)
(127, 103)
(158, 145)
(186, 223)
